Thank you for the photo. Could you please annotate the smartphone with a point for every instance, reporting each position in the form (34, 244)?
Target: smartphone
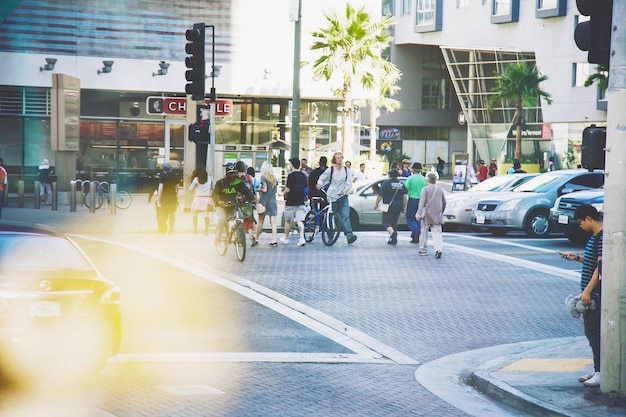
(560, 253)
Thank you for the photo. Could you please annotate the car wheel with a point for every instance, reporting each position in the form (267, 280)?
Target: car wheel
(538, 224)
(354, 220)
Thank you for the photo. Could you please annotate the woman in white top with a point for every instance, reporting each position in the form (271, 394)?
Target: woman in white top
(202, 183)
(267, 191)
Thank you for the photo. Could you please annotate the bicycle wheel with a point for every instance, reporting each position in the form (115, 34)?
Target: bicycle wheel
(240, 242)
(87, 200)
(331, 229)
(310, 224)
(123, 200)
(221, 238)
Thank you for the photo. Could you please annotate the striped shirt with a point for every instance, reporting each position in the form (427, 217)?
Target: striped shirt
(592, 251)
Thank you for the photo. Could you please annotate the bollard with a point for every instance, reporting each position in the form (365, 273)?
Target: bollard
(93, 187)
(72, 196)
(112, 198)
(20, 193)
(37, 197)
(55, 196)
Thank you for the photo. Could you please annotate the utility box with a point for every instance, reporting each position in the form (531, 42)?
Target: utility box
(593, 147)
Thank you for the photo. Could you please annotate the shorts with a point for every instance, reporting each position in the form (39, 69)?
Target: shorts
(297, 213)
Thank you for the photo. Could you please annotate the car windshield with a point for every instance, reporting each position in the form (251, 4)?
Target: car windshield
(491, 184)
(37, 252)
(537, 184)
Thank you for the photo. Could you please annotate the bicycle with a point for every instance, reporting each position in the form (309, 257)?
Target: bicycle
(230, 231)
(123, 200)
(322, 220)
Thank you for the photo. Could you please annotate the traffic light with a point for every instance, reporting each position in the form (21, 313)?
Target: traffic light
(199, 132)
(195, 62)
(594, 35)
(593, 148)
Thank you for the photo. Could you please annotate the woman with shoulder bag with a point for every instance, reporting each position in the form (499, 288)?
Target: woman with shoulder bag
(202, 184)
(392, 193)
(267, 199)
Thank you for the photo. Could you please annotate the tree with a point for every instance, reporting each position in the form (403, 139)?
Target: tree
(519, 84)
(601, 77)
(351, 47)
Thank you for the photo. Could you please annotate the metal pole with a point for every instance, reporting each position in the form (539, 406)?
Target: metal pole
(37, 197)
(210, 159)
(72, 196)
(55, 196)
(295, 107)
(93, 189)
(613, 326)
(20, 193)
(113, 198)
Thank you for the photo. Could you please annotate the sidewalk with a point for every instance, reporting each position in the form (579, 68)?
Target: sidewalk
(538, 377)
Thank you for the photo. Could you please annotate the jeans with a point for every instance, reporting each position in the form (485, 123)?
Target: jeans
(592, 331)
(342, 208)
(411, 211)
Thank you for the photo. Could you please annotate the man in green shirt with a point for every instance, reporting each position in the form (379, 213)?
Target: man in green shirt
(414, 185)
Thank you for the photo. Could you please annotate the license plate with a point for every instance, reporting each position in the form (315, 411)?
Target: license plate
(480, 218)
(563, 219)
(44, 309)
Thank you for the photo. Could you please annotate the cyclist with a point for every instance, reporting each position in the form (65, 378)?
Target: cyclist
(228, 191)
(339, 180)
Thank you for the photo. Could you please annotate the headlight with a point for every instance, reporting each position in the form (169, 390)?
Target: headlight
(510, 205)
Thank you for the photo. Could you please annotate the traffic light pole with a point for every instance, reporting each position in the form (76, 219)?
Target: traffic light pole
(210, 158)
(613, 328)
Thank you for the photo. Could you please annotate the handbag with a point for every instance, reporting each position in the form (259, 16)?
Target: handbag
(260, 208)
(384, 207)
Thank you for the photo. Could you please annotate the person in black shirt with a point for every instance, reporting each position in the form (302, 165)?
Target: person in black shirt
(313, 177)
(167, 199)
(295, 196)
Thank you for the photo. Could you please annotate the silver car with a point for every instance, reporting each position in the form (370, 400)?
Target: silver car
(527, 207)
(459, 205)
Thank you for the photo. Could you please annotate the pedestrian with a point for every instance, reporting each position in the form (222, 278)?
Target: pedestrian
(360, 175)
(317, 196)
(267, 197)
(404, 170)
(551, 163)
(512, 167)
(440, 165)
(228, 191)
(167, 199)
(3, 184)
(349, 164)
(339, 181)
(249, 222)
(430, 213)
(483, 171)
(256, 184)
(393, 193)
(202, 187)
(295, 196)
(589, 220)
(517, 168)
(44, 173)
(414, 185)
(304, 167)
(493, 168)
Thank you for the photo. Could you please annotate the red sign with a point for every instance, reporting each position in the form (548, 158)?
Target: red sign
(178, 105)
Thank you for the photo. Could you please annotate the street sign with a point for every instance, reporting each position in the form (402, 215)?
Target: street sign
(178, 105)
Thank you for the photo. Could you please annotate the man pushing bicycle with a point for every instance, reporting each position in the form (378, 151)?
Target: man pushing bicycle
(228, 192)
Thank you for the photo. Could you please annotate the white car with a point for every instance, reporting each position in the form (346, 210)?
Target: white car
(459, 205)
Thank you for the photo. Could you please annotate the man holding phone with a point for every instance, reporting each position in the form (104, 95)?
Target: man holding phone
(589, 220)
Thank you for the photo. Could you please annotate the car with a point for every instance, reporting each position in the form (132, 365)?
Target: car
(362, 198)
(459, 205)
(562, 213)
(527, 207)
(57, 312)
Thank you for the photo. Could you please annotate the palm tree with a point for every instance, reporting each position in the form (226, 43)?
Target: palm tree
(519, 84)
(351, 47)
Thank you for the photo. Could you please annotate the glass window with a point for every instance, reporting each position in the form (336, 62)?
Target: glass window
(547, 4)
(435, 93)
(432, 59)
(387, 7)
(406, 7)
(550, 8)
(504, 11)
(461, 4)
(428, 15)
(580, 72)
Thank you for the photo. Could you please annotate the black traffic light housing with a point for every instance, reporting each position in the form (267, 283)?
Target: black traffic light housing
(196, 74)
(593, 148)
(594, 35)
(199, 131)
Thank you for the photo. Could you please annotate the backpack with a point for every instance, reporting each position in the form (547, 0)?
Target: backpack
(332, 168)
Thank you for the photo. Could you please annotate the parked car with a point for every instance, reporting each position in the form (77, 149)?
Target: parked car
(362, 198)
(562, 213)
(56, 310)
(527, 207)
(458, 212)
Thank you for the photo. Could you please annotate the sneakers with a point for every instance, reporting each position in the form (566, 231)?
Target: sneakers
(586, 377)
(438, 254)
(284, 241)
(351, 239)
(393, 239)
(594, 381)
(414, 241)
(422, 252)
(253, 241)
(301, 242)
(272, 244)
